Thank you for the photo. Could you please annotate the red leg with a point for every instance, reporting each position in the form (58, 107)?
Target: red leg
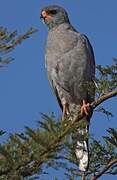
(65, 110)
(85, 108)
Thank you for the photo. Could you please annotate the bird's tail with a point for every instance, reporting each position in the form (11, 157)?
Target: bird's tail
(82, 150)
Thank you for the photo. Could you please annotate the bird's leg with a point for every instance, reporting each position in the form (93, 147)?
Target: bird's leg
(65, 111)
(85, 108)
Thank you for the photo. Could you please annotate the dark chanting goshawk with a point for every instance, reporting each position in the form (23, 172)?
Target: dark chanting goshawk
(70, 67)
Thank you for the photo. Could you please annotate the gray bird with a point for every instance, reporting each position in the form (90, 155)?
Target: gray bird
(70, 67)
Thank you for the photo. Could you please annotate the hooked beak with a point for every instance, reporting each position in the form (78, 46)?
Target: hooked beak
(44, 15)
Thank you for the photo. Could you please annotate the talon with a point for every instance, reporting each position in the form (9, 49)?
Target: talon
(85, 108)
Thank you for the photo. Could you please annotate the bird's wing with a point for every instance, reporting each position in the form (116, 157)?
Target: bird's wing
(75, 70)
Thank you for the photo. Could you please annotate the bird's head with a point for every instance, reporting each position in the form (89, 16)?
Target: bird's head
(54, 15)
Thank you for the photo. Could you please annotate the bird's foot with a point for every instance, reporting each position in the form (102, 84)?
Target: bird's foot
(65, 111)
(85, 108)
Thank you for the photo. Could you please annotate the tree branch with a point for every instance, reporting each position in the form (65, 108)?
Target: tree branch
(56, 142)
(45, 155)
(108, 166)
(20, 39)
(104, 98)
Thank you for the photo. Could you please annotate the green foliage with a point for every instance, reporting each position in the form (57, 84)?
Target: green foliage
(2, 132)
(9, 40)
(29, 151)
(53, 143)
(106, 81)
(107, 78)
(104, 111)
(102, 153)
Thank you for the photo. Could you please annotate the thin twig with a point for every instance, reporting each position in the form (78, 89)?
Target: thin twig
(108, 166)
(103, 98)
(20, 39)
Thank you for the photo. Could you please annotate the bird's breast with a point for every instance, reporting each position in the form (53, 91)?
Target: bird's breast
(60, 42)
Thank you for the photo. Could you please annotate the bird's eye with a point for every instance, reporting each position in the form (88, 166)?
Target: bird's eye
(53, 12)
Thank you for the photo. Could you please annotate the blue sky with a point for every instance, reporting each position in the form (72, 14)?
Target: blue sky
(25, 91)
